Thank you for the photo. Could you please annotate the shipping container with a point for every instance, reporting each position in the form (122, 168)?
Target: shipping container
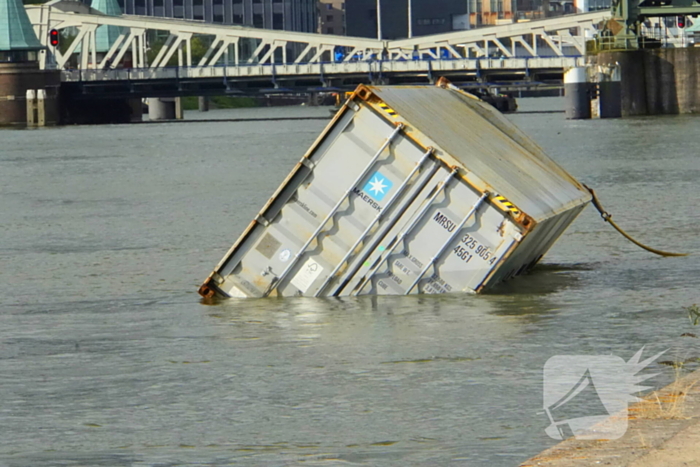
(409, 189)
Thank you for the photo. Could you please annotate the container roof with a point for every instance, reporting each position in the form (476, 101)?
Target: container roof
(488, 146)
(16, 31)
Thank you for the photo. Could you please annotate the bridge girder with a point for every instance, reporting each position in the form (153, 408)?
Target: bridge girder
(236, 51)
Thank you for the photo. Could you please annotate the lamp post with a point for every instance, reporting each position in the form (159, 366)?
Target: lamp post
(379, 19)
(410, 18)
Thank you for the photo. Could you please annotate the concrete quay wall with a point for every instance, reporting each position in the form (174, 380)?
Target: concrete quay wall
(15, 80)
(657, 81)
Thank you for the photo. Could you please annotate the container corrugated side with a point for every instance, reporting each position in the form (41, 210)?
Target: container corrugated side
(376, 206)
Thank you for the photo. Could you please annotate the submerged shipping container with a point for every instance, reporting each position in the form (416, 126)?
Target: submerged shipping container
(410, 189)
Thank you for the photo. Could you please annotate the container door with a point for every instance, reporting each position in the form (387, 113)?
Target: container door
(449, 240)
(363, 169)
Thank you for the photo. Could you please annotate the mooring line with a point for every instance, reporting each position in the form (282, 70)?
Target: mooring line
(607, 217)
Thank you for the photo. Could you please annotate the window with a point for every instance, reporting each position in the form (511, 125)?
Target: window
(329, 30)
(329, 17)
(277, 21)
(258, 20)
(178, 9)
(18, 56)
(198, 10)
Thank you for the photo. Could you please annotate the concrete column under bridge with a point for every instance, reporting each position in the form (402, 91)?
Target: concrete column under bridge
(657, 81)
(169, 108)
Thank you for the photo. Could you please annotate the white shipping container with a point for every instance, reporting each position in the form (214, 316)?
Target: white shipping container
(410, 189)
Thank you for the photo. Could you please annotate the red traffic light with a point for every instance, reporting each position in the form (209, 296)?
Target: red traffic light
(54, 37)
(680, 21)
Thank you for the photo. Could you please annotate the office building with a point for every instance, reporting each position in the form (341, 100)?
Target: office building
(290, 15)
(331, 17)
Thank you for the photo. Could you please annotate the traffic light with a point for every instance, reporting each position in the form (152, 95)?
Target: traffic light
(680, 21)
(54, 36)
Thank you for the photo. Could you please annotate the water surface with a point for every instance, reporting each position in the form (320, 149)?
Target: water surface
(108, 357)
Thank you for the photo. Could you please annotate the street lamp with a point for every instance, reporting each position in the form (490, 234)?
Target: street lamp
(410, 18)
(379, 19)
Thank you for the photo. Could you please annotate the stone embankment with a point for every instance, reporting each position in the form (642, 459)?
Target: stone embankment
(663, 430)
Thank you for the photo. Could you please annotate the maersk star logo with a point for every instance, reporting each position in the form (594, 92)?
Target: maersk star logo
(377, 186)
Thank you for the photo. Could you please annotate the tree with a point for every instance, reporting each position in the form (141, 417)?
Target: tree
(199, 44)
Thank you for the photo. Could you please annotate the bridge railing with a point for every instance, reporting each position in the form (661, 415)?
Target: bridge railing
(328, 70)
(243, 46)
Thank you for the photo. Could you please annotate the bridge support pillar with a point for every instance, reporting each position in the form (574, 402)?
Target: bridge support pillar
(203, 103)
(610, 94)
(179, 111)
(577, 92)
(168, 108)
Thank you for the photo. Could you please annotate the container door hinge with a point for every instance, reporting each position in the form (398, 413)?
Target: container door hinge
(261, 220)
(308, 163)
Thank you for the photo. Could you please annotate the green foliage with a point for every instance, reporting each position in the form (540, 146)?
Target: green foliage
(226, 102)
(66, 39)
(199, 45)
(153, 51)
(220, 102)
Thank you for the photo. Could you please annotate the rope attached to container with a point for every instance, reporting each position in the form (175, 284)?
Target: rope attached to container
(607, 217)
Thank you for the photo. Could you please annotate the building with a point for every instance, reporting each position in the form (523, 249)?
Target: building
(428, 17)
(331, 17)
(493, 12)
(290, 15)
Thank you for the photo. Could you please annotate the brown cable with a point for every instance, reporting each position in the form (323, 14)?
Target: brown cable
(607, 217)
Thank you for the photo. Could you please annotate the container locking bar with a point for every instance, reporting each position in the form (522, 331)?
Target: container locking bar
(437, 255)
(335, 208)
(405, 233)
(397, 193)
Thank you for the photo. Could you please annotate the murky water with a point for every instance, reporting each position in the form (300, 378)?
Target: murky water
(107, 356)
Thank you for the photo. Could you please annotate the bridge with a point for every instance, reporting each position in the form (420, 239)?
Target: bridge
(252, 60)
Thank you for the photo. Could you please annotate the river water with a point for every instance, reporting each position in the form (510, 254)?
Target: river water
(108, 356)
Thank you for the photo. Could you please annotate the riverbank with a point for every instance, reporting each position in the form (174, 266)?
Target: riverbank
(663, 430)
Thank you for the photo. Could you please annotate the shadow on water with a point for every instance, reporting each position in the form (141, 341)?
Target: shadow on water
(537, 294)
(544, 279)
(531, 297)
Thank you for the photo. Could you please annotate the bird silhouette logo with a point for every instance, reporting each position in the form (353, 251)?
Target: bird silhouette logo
(587, 396)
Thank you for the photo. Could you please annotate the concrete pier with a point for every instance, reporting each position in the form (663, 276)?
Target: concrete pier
(657, 81)
(18, 78)
(164, 109)
(610, 94)
(577, 92)
(203, 102)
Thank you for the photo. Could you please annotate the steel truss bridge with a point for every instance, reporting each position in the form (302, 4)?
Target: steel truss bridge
(243, 59)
